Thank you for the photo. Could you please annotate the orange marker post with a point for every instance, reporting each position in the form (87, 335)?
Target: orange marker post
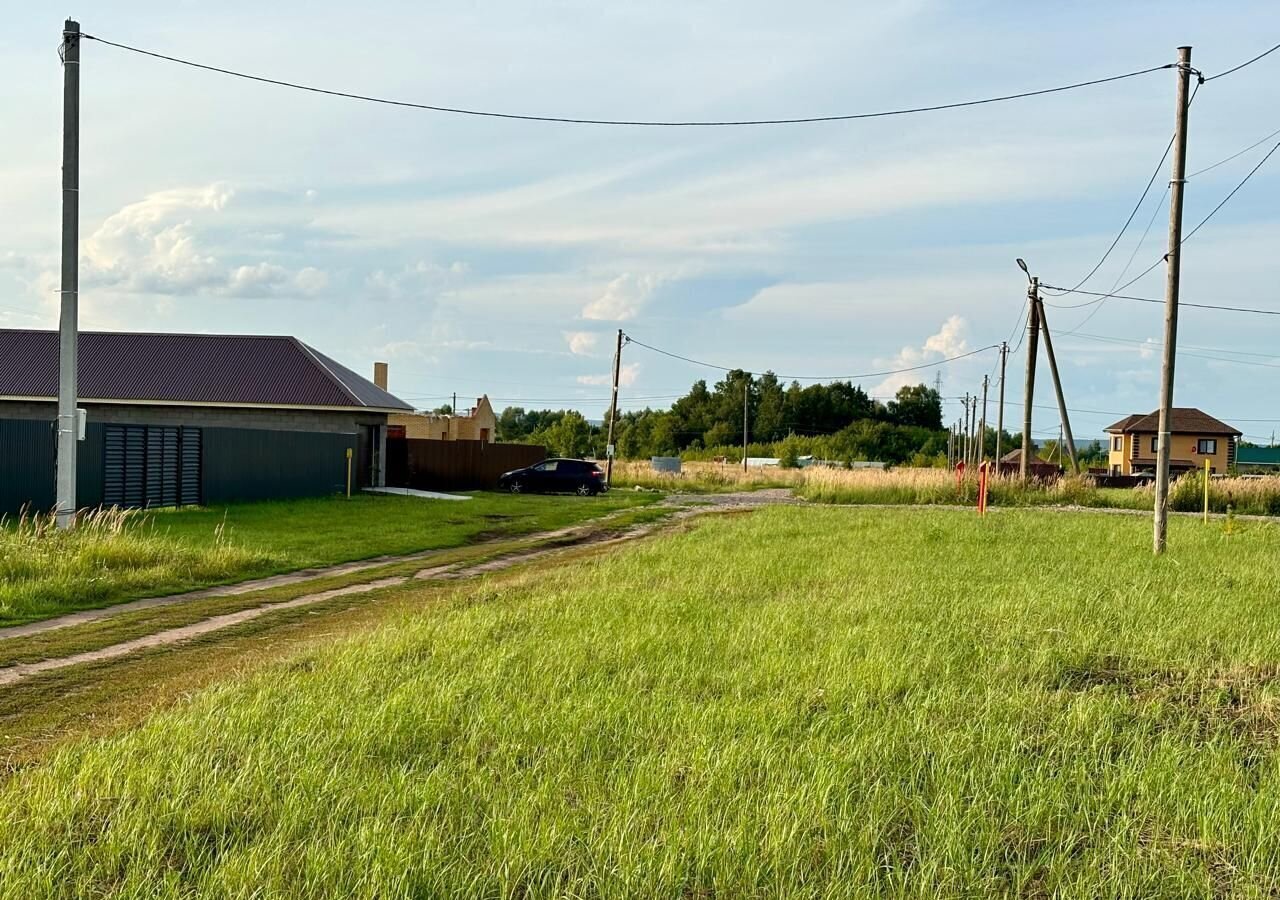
(982, 489)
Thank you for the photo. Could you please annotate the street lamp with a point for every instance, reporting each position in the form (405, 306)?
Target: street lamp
(1022, 264)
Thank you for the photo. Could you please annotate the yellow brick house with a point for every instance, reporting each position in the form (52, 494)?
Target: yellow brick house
(476, 424)
(1196, 436)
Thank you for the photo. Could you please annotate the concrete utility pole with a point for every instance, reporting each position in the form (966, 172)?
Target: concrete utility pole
(613, 411)
(1029, 386)
(746, 395)
(1057, 386)
(1172, 282)
(964, 425)
(1004, 355)
(68, 322)
(982, 424)
(951, 437)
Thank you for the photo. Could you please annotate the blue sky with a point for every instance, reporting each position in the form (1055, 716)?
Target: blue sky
(501, 257)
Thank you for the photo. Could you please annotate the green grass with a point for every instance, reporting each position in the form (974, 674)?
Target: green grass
(800, 702)
(45, 573)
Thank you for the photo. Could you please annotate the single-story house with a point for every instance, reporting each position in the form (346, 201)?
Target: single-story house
(476, 424)
(176, 419)
(1042, 469)
(1196, 436)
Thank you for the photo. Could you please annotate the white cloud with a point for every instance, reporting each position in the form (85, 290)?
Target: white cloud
(948, 341)
(627, 376)
(622, 298)
(582, 343)
(311, 280)
(422, 280)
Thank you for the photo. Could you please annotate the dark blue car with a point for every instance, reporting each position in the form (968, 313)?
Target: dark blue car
(556, 476)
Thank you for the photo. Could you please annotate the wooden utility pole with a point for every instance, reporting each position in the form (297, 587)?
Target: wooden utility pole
(453, 408)
(964, 424)
(613, 411)
(1004, 355)
(1057, 384)
(982, 423)
(951, 438)
(746, 396)
(1172, 282)
(68, 322)
(1029, 385)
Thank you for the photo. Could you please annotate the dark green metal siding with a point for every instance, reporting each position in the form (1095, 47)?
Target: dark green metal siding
(27, 465)
(89, 466)
(252, 464)
(236, 464)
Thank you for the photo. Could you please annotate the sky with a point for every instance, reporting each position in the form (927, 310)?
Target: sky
(496, 256)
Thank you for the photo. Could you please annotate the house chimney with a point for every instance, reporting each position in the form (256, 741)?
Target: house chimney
(380, 375)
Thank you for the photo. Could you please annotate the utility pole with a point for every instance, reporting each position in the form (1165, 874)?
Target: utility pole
(453, 408)
(1004, 355)
(1057, 384)
(746, 395)
(68, 322)
(1172, 284)
(982, 424)
(964, 424)
(1029, 386)
(613, 411)
(951, 437)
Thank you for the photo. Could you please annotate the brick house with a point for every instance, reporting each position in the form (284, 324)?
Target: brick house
(1196, 436)
(174, 419)
(476, 424)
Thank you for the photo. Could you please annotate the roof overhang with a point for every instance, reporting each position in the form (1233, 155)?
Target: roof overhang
(209, 404)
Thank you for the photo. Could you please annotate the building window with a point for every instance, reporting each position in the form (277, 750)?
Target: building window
(1207, 446)
(1117, 443)
(1155, 444)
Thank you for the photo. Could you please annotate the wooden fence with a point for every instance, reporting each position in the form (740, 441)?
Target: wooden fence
(454, 465)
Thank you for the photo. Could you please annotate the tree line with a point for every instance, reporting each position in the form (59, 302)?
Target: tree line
(838, 417)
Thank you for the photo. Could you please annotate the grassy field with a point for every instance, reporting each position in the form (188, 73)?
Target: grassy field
(119, 557)
(800, 702)
(919, 486)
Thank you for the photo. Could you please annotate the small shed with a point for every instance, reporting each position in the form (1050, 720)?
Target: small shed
(1042, 470)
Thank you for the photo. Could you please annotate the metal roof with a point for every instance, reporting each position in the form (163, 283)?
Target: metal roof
(1186, 420)
(1258, 456)
(235, 369)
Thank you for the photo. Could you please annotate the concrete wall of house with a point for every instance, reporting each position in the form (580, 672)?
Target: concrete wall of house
(247, 454)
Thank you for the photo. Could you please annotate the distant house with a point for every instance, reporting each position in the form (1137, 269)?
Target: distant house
(477, 424)
(1196, 436)
(173, 419)
(1258, 460)
(1011, 464)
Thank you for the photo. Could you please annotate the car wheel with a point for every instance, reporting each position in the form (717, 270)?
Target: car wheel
(584, 490)
(515, 487)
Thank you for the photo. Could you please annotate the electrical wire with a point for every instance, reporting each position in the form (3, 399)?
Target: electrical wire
(782, 377)
(571, 120)
(1242, 183)
(1245, 63)
(1220, 162)
(1181, 303)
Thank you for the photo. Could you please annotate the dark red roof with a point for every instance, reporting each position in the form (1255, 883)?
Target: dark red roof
(187, 368)
(1186, 420)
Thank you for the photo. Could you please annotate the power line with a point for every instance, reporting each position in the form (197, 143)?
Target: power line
(1245, 63)
(1187, 237)
(1242, 183)
(1110, 296)
(1220, 162)
(800, 120)
(782, 377)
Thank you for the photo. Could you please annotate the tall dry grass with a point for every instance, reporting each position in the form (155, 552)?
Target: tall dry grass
(109, 551)
(1245, 496)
